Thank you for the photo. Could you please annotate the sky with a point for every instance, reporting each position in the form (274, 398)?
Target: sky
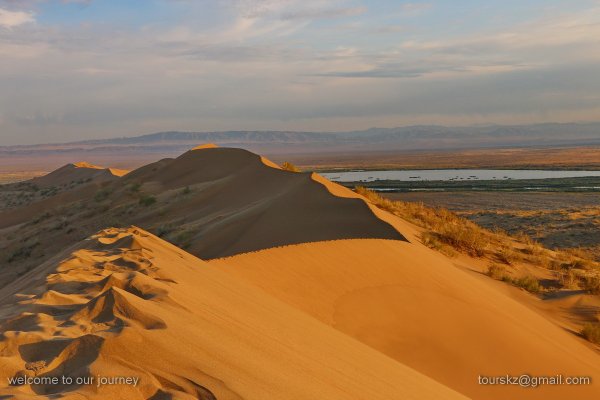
(82, 69)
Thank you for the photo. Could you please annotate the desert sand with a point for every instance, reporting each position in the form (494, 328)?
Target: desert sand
(290, 287)
(413, 305)
(126, 303)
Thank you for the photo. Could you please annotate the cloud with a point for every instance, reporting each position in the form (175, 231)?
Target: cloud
(295, 9)
(12, 19)
(326, 13)
(264, 64)
(381, 72)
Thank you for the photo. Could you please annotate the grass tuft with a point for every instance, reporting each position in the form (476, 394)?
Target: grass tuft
(288, 166)
(591, 331)
(147, 201)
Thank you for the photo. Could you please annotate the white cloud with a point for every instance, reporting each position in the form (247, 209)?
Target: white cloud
(12, 19)
(324, 13)
(264, 64)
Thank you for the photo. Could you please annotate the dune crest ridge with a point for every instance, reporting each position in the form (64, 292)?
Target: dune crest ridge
(144, 308)
(85, 164)
(205, 146)
(79, 172)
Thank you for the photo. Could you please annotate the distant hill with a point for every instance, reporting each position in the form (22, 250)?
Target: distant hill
(279, 145)
(405, 138)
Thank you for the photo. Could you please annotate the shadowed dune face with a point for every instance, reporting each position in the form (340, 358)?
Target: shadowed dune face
(126, 303)
(245, 205)
(235, 202)
(80, 171)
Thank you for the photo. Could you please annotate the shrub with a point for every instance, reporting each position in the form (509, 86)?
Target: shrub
(544, 261)
(568, 279)
(591, 331)
(447, 227)
(431, 240)
(288, 166)
(528, 282)
(186, 190)
(506, 254)
(135, 187)
(534, 248)
(463, 239)
(496, 271)
(163, 230)
(23, 252)
(445, 231)
(184, 239)
(40, 218)
(147, 201)
(592, 284)
(102, 194)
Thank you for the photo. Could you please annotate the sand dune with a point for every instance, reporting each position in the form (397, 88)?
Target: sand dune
(80, 171)
(245, 203)
(415, 306)
(141, 307)
(238, 202)
(311, 292)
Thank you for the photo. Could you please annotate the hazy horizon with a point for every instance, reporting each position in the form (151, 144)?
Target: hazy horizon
(88, 69)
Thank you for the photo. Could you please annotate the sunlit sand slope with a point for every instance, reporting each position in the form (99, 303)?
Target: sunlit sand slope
(415, 306)
(126, 303)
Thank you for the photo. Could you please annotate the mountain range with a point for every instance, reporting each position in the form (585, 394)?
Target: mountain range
(374, 139)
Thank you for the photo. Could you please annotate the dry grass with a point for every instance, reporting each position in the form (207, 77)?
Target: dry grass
(496, 271)
(444, 226)
(591, 332)
(507, 255)
(591, 284)
(147, 200)
(568, 279)
(288, 166)
(449, 233)
(527, 282)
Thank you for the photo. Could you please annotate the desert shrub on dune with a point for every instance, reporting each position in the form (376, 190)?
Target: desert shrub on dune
(288, 166)
(506, 254)
(23, 252)
(591, 332)
(568, 279)
(184, 239)
(447, 227)
(591, 284)
(163, 230)
(496, 271)
(445, 231)
(102, 194)
(528, 282)
(147, 201)
(464, 238)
